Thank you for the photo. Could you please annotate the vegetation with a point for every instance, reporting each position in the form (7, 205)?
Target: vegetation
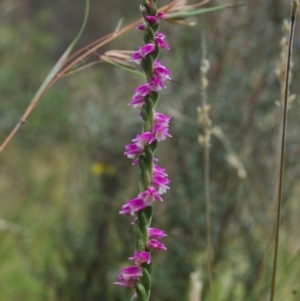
(64, 178)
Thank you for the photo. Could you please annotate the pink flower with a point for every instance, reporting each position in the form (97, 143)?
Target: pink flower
(160, 132)
(161, 119)
(141, 26)
(156, 84)
(137, 147)
(137, 204)
(161, 71)
(151, 19)
(159, 171)
(142, 52)
(144, 199)
(161, 15)
(135, 162)
(143, 139)
(126, 209)
(159, 40)
(137, 101)
(161, 126)
(132, 150)
(132, 206)
(143, 90)
(141, 257)
(156, 233)
(129, 275)
(149, 196)
(154, 244)
(161, 182)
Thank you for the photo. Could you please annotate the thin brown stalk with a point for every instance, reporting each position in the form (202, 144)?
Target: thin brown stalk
(280, 72)
(282, 147)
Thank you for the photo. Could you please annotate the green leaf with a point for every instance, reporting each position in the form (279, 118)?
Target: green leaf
(194, 12)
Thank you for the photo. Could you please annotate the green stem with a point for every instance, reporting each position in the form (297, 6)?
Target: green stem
(144, 217)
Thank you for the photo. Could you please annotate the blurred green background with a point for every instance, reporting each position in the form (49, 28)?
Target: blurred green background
(64, 178)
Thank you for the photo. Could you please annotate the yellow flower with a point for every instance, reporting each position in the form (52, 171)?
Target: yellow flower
(97, 169)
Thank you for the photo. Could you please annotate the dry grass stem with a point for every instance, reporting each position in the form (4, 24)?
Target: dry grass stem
(281, 66)
(182, 6)
(232, 158)
(195, 286)
(282, 148)
(206, 123)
